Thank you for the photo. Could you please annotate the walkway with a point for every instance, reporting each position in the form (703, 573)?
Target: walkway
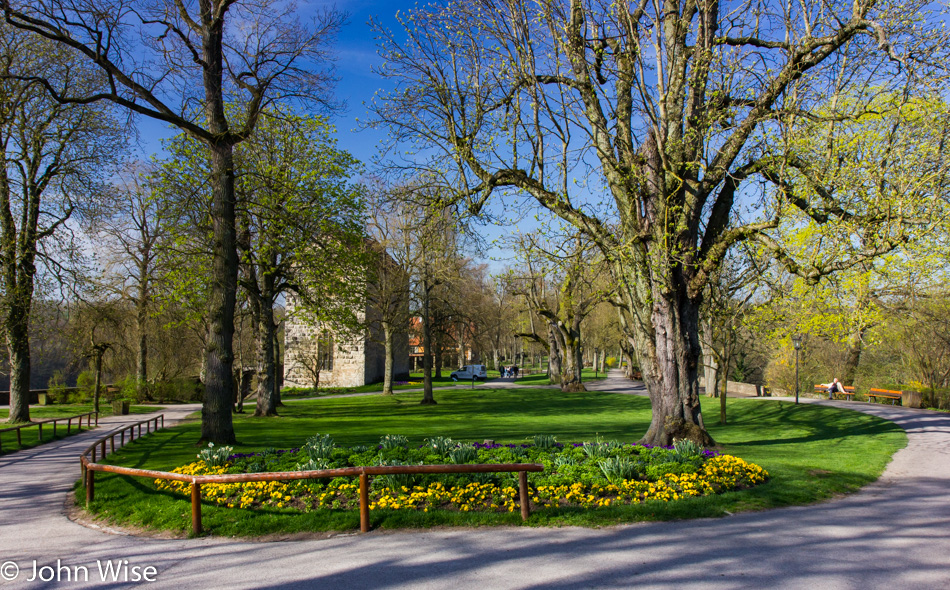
(893, 534)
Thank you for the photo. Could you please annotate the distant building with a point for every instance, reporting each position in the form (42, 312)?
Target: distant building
(341, 361)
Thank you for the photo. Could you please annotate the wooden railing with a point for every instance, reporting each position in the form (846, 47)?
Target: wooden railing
(89, 467)
(39, 424)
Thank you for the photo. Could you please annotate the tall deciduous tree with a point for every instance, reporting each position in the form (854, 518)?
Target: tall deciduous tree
(645, 124)
(300, 227)
(561, 287)
(130, 232)
(182, 64)
(54, 155)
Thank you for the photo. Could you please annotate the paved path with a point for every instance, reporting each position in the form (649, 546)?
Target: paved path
(893, 534)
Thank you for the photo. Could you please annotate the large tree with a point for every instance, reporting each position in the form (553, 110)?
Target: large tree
(300, 227)
(181, 63)
(651, 126)
(54, 158)
(561, 287)
(131, 232)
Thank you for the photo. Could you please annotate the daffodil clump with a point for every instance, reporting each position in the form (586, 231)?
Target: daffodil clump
(589, 475)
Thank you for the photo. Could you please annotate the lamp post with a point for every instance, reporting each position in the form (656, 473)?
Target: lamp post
(797, 343)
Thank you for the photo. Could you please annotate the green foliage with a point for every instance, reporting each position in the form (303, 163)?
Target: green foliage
(182, 390)
(544, 441)
(300, 219)
(441, 445)
(86, 382)
(394, 441)
(462, 455)
(618, 469)
(215, 457)
(686, 450)
(319, 446)
(56, 388)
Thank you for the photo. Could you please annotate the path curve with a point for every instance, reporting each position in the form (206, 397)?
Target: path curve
(892, 534)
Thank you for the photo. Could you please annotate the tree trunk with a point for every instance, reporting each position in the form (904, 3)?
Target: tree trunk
(437, 351)
(216, 422)
(95, 395)
(723, 394)
(568, 339)
(141, 328)
(266, 361)
(18, 349)
(427, 397)
(278, 367)
(390, 353)
(554, 358)
(855, 348)
(671, 372)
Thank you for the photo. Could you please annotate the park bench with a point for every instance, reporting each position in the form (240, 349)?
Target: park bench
(893, 395)
(848, 391)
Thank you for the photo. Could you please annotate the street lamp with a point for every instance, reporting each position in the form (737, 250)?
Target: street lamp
(797, 343)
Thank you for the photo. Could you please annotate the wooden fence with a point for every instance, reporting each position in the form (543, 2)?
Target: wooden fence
(90, 467)
(39, 424)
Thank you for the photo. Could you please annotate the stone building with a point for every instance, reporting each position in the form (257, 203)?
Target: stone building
(342, 361)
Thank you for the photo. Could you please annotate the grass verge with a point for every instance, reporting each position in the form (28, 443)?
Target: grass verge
(811, 452)
(307, 392)
(542, 378)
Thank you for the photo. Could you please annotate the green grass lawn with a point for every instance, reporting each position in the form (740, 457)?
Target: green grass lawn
(542, 378)
(30, 434)
(811, 452)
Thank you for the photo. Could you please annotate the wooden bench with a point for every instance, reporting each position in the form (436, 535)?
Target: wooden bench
(891, 394)
(848, 391)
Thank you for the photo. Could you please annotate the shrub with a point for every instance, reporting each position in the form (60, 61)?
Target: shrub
(181, 390)
(56, 389)
(611, 362)
(86, 384)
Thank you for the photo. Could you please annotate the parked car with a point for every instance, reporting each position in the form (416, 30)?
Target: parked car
(468, 371)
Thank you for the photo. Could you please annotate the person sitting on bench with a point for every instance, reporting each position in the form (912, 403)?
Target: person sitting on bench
(834, 387)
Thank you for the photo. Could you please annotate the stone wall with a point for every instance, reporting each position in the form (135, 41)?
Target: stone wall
(356, 361)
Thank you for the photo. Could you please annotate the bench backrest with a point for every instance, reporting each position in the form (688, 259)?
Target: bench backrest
(847, 388)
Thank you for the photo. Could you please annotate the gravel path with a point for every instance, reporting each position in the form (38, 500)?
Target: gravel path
(893, 534)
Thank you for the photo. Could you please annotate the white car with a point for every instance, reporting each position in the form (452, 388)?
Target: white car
(467, 372)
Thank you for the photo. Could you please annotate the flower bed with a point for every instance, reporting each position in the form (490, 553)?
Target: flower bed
(589, 475)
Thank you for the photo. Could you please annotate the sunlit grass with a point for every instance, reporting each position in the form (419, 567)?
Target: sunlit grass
(811, 452)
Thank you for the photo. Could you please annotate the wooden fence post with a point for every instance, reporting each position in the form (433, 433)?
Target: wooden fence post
(364, 502)
(69, 425)
(523, 492)
(40, 426)
(196, 507)
(19, 441)
(54, 428)
(90, 486)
